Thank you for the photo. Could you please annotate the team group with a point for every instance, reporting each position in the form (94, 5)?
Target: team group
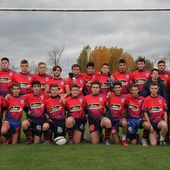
(57, 106)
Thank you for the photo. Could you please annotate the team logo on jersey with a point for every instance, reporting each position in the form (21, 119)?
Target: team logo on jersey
(23, 85)
(4, 80)
(160, 101)
(81, 81)
(36, 105)
(94, 106)
(47, 79)
(42, 97)
(55, 108)
(29, 78)
(59, 130)
(133, 107)
(155, 109)
(127, 75)
(80, 100)
(130, 129)
(15, 109)
(100, 99)
(115, 107)
(22, 101)
(10, 74)
(122, 100)
(147, 74)
(75, 108)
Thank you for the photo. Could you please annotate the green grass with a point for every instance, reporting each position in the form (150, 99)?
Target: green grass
(83, 156)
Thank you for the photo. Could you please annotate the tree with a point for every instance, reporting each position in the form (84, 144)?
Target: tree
(83, 58)
(55, 55)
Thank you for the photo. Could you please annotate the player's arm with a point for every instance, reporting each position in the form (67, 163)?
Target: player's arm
(166, 116)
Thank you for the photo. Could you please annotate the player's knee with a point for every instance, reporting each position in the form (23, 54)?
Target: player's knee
(164, 125)
(146, 126)
(107, 123)
(45, 127)
(70, 122)
(4, 131)
(25, 124)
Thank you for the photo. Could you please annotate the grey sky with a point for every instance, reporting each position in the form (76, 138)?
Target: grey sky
(32, 35)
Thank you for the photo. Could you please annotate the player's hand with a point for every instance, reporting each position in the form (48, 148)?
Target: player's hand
(63, 99)
(108, 95)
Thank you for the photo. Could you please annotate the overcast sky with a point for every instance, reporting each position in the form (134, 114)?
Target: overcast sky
(32, 35)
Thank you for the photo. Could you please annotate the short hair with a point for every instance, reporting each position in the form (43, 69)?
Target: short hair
(75, 66)
(153, 84)
(117, 83)
(36, 83)
(53, 85)
(24, 61)
(134, 85)
(161, 61)
(15, 85)
(4, 59)
(41, 63)
(75, 86)
(155, 69)
(96, 82)
(105, 64)
(90, 64)
(57, 66)
(140, 59)
(122, 61)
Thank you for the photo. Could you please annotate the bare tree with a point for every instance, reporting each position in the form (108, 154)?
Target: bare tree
(55, 55)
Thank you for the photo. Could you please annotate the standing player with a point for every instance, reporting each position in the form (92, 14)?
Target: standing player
(24, 78)
(117, 104)
(55, 113)
(123, 76)
(75, 78)
(42, 76)
(96, 108)
(11, 126)
(89, 77)
(32, 126)
(141, 75)
(75, 115)
(135, 116)
(6, 77)
(57, 79)
(154, 108)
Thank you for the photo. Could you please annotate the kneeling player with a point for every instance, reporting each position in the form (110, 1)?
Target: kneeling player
(117, 104)
(75, 115)
(55, 113)
(32, 126)
(135, 118)
(154, 108)
(96, 109)
(11, 126)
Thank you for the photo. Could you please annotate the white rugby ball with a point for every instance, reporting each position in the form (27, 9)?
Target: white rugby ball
(60, 140)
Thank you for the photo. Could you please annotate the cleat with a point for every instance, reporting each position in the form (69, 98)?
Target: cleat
(162, 143)
(84, 141)
(144, 142)
(107, 143)
(28, 142)
(124, 143)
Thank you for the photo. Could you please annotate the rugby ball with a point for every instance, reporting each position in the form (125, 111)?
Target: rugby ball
(60, 140)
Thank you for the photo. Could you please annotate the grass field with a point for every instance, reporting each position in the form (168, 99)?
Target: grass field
(83, 156)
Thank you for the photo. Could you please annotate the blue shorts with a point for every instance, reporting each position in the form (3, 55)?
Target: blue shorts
(15, 126)
(133, 125)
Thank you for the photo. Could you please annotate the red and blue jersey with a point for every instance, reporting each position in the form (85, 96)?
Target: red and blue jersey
(95, 106)
(140, 77)
(155, 107)
(89, 78)
(61, 84)
(117, 106)
(103, 79)
(134, 106)
(55, 108)
(25, 81)
(75, 107)
(36, 104)
(6, 81)
(125, 79)
(43, 79)
(15, 107)
(2, 106)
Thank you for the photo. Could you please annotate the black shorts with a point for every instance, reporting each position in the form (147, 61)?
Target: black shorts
(155, 125)
(94, 124)
(79, 124)
(57, 127)
(36, 126)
